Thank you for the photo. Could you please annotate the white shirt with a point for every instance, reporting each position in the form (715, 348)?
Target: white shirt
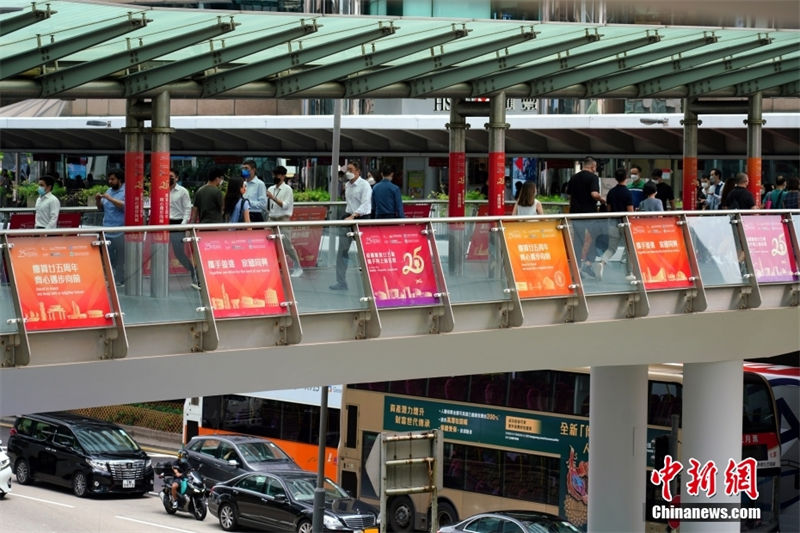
(285, 194)
(180, 206)
(47, 208)
(358, 195)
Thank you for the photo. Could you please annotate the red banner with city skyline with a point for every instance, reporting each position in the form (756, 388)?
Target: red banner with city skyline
(661, 251)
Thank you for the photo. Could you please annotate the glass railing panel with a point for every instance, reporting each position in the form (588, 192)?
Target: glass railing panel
(472, 263)
(148, 294)
(601, 250)
(539, 260)
(320, 288)
(662, 252)
(718, 250)
(7, 311)
(770, 246)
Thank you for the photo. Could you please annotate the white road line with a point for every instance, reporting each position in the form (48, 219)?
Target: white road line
(18, 495)
(153, 524)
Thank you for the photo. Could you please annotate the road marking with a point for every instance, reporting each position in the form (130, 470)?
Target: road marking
(18, 495)
(154, 524)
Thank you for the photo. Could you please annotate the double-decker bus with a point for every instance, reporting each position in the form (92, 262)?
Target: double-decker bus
(491, 462)
(289, 418)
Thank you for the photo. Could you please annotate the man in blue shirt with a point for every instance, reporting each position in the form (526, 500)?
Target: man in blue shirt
(112, 204)
(386, 199)
(255, 191)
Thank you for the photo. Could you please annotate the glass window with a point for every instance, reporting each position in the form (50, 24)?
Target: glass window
(664, 401)
(718, 250)
(274, 487)
(602, 243)
(368, 440)
(64, 437)
(758, 411)
(106, 440)
(261, 452)
(227, 452)
(256, 483)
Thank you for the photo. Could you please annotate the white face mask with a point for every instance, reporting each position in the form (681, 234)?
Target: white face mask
(349, 176)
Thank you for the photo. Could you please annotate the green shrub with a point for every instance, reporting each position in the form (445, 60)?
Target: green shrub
(312, 195)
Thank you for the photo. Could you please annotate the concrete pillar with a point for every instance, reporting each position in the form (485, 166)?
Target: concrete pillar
(134, 196)
(754, 125)
(712, 431)
(159, 196)
(497, 154)
(617, 448)
(456, 187)
(690, 124)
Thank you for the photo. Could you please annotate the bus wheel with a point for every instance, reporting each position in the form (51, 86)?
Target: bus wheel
(401, 514)
(447, 514)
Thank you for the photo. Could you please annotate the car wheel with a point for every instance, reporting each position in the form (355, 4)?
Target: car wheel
(401, 514)
(227, 517)
(79, 484)
(447, 514)
(23, 472)
(304, 526)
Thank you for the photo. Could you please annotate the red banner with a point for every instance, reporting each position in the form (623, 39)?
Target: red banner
(60, 282)
(417, 210)
(754, 173)
(689, 183)
(457, 184)
(538, 258)
(134, 189)
(400, 265)
(159, 194)
(497, 183)
(479, 242)
(306, 239)
(662, 253)
(242, 273)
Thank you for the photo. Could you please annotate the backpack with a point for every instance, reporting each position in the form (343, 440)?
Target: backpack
(777, 204)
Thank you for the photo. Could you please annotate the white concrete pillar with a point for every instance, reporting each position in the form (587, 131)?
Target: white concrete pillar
(712, 431)
(617, 448)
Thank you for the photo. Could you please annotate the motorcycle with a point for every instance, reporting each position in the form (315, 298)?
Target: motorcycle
(191, 499)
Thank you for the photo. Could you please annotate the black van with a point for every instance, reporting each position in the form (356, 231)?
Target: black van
(87, 455)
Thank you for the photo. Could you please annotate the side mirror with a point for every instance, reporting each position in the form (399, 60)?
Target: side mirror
(233, 462)
(281, 498)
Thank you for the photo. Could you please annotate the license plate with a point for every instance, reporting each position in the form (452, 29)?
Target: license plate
(371, 530)
(128, 483)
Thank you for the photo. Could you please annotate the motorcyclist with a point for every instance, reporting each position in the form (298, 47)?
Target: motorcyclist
(180, 467)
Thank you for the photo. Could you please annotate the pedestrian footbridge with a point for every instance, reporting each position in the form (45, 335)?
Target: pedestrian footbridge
(424, 297)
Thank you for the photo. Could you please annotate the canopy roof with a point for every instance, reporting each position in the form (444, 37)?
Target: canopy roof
(95, 50)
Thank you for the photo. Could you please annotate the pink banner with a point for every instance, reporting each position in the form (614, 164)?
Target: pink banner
(400, 265)
(768, 239)
(242, 273)
(306, 239)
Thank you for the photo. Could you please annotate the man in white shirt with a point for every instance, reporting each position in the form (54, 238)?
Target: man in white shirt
(180, 210)
(280, 206)
(255, 191)
(358, 196)
(47, 205)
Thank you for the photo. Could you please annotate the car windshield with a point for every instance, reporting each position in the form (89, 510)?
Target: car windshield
(106, 440)
(261, 452)
(302, 489)
(550, 526)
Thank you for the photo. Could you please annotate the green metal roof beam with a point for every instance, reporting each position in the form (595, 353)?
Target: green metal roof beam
(717, 68)
(757, 76)
(71, 77)
(369, 82)
(368, 59)
(620, 63)
(618, 81)
(25, 19)
(238, 76)
(156, 77)
(786, 75)
(791, 89)
(441, 80)
(503, 80)
(12, 65)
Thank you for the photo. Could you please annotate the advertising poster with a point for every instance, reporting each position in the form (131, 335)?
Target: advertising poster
(416, 183)
(60, 282)
(538, 258)
(479, 242)
(242, 273)
(662, 253)
(770, 250)
(306, 239)
(417, 210)
(400, 265)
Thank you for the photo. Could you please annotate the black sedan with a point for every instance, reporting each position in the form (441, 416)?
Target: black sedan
(284, 501)
(222, 457)
(512, 522)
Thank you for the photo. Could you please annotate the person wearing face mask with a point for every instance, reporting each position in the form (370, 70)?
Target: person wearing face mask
(180, 210)
(47, 205)
(636, 182)
(255, 191)
(358, 196)
(280, 206)
(112, 204)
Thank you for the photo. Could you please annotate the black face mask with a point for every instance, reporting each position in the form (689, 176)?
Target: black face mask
(276, 180)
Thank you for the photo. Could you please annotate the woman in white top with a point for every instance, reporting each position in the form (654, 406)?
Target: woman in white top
(527, 204)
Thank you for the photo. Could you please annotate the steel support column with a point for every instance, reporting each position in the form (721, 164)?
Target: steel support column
(497, 154)
(754, 125)
(134, 197)
(159, 196)
(456, 186)
(690, 123)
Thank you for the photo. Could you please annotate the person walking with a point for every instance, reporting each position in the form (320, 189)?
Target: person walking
(112, 204)
(358, 197)
(664, 191)
(527, 204)
(208, 204)
(584, 194)
(774, 198)
(47, 205)
(255, 191)
(651, 201)
(236, 208)
(739, 197)
(280, 207)
(180, 211)
(387, 202)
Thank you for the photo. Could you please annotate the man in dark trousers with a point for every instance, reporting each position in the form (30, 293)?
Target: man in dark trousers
(663, 191)
(584, 193)
(386, 199)
(740, 197)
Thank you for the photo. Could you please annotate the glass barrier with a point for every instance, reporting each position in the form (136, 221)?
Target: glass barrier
(718, 250)
(601, 245)
(770, 246)
(6, 304)
(472, 263)
(538, 254)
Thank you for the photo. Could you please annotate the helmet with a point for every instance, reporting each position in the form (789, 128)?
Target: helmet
(182, 455)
